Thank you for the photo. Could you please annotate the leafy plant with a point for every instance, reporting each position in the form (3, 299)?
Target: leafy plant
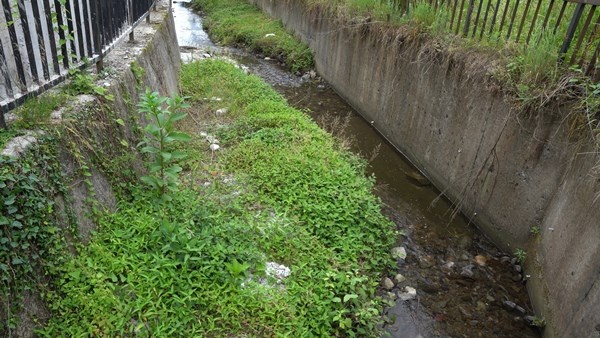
(37, 110)
(160, 134)
(521, 255)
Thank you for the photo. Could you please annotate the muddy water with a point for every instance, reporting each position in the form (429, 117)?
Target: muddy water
(465, 286)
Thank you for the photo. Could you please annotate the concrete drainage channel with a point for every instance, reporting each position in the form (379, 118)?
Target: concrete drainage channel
(450, 280)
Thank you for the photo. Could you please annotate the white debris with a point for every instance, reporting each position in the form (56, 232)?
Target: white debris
(214, 98)
(277, 271)
(214, 147)
(211, 139)
(221, 111)
(269, 35)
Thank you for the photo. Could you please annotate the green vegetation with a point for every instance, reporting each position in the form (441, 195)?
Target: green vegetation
(32, 245)
(521, 255)
(160, 134)
(236, 22)
(280, 190)
(36, 111)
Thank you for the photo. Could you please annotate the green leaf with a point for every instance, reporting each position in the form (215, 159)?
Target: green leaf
(179, 136)
(120, 122)
(350, 296)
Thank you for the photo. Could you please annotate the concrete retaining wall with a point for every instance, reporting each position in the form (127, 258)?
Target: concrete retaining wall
(505, 172)
(157, 61)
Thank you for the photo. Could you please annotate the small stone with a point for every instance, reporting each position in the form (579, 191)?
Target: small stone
(320, 87)
(428, 286)
(509, 305)
(467, 271)
(312, 74)
(398, 252)
(399, 278)
(426, 262)
(206, 55)
(474, 322)
(480, 260)
(490, 298)
(513, 261)
(505, 259)
(267, 58)
(520, 310)
(518, 268)
(387, 283)
(410, 293)
(517, 277)
(481, 306)
(214, 147)
(449, 266)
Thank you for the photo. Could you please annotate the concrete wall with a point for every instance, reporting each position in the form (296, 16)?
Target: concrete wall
(156, 51)
(508, 173)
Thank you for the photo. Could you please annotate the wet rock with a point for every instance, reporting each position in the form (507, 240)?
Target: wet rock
(439, 306)
(520, 310)
(428, 286)
(387, 283)
(505, 259)
(513, 261)
(417, 178)
(408, 294)
(518, 268)
(399, 278)
(509, 305)
(449, 266)
(466, 314)
(517, 278)
(480, 260)
(426, 262)
(467, 271)
(398, 252)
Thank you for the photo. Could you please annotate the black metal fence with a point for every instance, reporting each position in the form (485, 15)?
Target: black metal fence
(575, 22)
(41, 40)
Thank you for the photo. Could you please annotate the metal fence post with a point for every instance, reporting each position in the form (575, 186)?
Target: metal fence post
(98, 46)
(130, 14)
(571, 31)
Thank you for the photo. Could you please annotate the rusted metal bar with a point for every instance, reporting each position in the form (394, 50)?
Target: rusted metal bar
(560, 16)
(535, 16)
(571, 30)
(462, 6)
(453, 13)
(582, 36)
(527, 5)
(485, 17)
(503, 17)
(477, 17)
(496, 10)
(592, 64)
(468, 17)
(550, 5)
(512, 20)
(590, 42)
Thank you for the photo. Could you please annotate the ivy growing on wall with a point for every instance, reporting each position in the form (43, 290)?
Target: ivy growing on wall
(32, 243)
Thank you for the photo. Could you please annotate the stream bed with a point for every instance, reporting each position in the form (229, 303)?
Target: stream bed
(465, 286)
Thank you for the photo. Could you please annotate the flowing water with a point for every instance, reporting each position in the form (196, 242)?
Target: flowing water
(465, 286)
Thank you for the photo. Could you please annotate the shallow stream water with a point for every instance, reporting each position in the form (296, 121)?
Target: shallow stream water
(465, 286)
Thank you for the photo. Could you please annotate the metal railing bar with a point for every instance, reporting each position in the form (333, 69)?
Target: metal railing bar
(583, 34)
(527, 5)
(51, 37)
(571, 30)
(535, 16)
(40, 38)
(15, 45)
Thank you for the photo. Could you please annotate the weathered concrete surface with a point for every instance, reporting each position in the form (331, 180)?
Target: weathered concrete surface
(441, 109)
(156, 53)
